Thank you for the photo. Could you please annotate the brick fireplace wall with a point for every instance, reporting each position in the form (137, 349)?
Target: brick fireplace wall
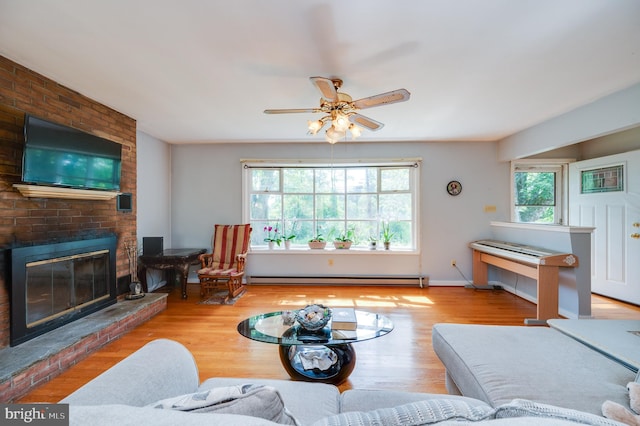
(32, 221)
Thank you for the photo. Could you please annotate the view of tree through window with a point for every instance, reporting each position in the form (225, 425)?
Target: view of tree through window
(330, 202)
(535, 195)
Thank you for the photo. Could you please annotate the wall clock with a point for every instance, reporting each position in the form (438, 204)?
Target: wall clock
(454, 187)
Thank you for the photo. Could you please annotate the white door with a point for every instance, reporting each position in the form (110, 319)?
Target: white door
(615, 215)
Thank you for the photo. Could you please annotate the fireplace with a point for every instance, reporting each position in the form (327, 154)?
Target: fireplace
(55, 284)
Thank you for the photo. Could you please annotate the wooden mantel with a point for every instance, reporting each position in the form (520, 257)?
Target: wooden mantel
(38, 191)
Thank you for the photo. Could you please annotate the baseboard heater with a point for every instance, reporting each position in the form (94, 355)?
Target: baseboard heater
(338, 280)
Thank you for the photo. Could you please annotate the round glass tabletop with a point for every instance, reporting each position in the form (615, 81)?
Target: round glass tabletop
(271, 328)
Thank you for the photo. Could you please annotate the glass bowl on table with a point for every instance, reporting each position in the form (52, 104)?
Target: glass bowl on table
(313, 317)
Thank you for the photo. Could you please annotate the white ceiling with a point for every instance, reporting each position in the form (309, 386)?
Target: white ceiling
(202, 71)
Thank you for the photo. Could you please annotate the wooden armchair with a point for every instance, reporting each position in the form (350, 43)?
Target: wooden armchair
(224, 266)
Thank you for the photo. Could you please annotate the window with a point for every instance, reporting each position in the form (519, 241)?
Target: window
(331, 200)
(537, 191)
(604, 179)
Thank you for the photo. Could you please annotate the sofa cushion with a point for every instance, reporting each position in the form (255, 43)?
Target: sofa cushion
(308, 402)
(426, 412)
(248, 399)
(160, 369)
(499, 363)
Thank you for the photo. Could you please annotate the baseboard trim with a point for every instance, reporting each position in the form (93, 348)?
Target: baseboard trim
(341, 280)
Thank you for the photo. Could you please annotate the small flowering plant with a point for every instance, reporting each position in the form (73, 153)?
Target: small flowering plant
(318, 237)
(288, 236)
(272, 234)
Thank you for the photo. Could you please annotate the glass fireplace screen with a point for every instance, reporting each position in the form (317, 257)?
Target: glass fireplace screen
(54, 287)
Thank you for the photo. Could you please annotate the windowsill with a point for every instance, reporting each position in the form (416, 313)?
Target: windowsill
(331, 251)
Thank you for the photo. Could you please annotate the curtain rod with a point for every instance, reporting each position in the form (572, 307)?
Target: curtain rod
(315, 163)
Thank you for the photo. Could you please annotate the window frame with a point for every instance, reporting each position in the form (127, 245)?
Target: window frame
(558, 166)
(414, 190)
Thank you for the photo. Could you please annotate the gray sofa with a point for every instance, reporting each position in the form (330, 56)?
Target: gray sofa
(142, 390)
(496, 364)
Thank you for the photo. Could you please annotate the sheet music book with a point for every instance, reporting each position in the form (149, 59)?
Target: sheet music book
(343, 319)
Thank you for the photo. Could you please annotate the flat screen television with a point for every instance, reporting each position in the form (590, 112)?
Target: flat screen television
(58, 155)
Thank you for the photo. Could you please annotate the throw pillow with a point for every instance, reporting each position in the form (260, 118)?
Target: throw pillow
(425, 412)
(525, 408)
(249, 400)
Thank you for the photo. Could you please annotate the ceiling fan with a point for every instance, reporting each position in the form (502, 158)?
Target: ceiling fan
(341, 111)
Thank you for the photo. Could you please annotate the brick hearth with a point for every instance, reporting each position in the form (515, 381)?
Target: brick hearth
(33, 363)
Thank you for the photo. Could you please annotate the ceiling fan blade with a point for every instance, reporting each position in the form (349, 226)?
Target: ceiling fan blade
(367, 122)
(291, 110)
(399, 95)
(326, 87)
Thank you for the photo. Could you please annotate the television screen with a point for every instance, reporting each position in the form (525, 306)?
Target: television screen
(61, 156)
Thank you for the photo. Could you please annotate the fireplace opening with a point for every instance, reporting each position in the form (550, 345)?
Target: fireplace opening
(54, 284)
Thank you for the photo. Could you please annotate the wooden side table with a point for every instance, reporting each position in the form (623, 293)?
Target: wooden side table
(177, 260)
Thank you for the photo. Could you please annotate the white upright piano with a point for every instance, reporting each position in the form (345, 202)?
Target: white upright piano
(537, 263)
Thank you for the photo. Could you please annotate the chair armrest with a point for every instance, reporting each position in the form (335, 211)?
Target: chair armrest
(240, 260)
(205, 259)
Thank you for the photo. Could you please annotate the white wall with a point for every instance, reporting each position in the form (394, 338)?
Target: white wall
(206, 188)
(626, 141)
(154, 188)
(616, 112)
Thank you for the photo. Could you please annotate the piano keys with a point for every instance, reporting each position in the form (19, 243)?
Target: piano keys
(537, 263)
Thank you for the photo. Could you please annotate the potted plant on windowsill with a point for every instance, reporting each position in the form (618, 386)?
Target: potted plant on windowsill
(344, 240)
(272, 236)
(373, 243)
(287, 237)
(317, 242)
(387, 235)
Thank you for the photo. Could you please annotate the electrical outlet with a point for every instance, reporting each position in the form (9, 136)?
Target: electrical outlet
(453, 263)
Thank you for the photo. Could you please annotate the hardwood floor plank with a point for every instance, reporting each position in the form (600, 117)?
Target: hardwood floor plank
(402, 360)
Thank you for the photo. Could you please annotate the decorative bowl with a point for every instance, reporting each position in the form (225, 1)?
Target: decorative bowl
(313, 317)
(342, 245)
(317, 245)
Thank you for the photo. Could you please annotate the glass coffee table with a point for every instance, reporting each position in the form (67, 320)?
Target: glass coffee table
(325, 355)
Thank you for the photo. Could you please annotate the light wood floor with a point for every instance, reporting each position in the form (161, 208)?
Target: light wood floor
(402, 360)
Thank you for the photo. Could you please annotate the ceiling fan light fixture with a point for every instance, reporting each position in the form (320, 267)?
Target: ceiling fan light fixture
(341, 111)
(341, 122)
(315, 126)
(355, 131)
(334, 135)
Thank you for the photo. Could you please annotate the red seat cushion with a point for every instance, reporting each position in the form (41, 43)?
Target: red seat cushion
(213, 271)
